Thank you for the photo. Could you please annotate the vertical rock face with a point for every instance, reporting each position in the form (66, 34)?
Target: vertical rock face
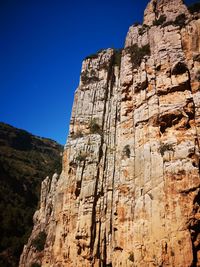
(129, 194)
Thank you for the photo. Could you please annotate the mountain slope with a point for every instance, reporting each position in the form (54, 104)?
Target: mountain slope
(25, 160)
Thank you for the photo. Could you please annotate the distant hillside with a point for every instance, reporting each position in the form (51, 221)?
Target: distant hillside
(25, 160)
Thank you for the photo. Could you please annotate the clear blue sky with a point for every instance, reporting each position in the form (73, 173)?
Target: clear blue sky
(42, 45)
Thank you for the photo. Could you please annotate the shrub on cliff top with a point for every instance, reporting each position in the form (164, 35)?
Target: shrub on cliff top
(92, 56)
(117, 57)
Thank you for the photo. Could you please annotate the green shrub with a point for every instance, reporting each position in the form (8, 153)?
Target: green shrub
(87, 77)
(39, 241)
(143, 29)
(78, 134)
(168, 23)
(165, 147)
(84, 76)
(117, 57)
(160, 20)
(138, 53)
(179, 68)
(180, 20)
(94, 127)
(194, 8)
(82, 156)
(92, 56)
(127, 151)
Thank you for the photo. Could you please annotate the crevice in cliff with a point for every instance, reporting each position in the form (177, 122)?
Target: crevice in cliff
(113, 178)
(93, 101)
(93, 217)
(112, 83)
(170, 119)
(79, 182)
(104, 250)
(99, 253)
(96, 197)
(99, 241)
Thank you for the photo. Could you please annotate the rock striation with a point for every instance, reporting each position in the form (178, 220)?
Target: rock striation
(128, 194)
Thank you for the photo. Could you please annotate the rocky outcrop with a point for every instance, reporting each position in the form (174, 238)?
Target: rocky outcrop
(157, 9)
(128, 194)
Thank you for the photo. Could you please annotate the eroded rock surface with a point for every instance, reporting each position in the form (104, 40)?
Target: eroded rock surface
(129, 194)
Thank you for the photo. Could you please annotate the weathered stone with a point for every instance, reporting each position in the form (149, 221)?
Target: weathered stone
(128, 194)
(168, 8)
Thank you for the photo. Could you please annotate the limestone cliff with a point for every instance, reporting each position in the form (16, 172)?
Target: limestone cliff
(129, 193)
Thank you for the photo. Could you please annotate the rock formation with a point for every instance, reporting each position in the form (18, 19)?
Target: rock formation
(129, 193)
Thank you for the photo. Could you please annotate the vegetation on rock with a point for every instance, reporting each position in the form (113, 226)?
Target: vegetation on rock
(138, 53)
(39, 241)
(165, 147)
(117, 57)
(94, 127)
(88, 77)
(92, 56)
(143, 29)
(179, 68)
(25, 160)
(160, 20)
(180, 20)
(82, 156)
(95, 55)
(77, 134)
(131, 257)
(127, 151)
